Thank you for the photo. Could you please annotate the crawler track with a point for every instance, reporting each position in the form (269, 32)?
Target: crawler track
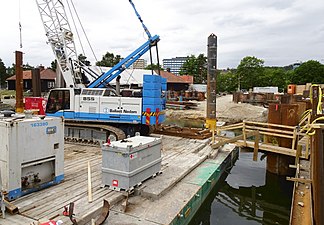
(109, 130)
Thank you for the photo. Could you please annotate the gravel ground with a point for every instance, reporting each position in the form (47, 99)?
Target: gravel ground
(226, 111)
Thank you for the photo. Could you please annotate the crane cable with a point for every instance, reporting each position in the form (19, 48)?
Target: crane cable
(20, 33)
(85, 34)
(75, 27)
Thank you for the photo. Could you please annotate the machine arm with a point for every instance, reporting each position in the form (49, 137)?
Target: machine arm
(60, 37)
(114, 72)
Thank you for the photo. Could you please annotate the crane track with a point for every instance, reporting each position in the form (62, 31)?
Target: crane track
(120, 135)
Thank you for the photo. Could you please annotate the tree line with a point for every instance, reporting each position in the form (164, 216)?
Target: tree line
(250, 72)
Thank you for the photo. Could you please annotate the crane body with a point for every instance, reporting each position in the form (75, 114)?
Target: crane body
(96, 111)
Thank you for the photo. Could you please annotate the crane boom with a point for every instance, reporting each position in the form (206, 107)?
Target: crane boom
(60, 37)
(114, 72)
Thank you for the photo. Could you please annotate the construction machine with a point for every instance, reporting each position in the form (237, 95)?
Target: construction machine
(96, 111)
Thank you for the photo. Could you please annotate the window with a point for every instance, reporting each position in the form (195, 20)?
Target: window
(50, 84)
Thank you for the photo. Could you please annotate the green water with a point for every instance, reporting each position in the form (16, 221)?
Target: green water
(249, 195)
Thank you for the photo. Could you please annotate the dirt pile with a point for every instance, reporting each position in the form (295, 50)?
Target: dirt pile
(226, 111)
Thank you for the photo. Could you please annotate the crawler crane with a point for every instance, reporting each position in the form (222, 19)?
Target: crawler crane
(95, 111)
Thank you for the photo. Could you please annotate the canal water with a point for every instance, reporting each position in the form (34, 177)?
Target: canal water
(248, 195)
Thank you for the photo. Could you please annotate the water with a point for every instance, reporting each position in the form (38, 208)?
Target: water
(248, 196)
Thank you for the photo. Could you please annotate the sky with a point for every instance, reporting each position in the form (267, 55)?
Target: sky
(279, 32)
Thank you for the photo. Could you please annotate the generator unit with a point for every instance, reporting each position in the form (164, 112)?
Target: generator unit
(31, 153)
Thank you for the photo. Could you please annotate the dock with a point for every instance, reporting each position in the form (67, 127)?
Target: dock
(173, 197)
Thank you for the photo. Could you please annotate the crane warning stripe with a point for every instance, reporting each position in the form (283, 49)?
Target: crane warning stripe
(149, 113)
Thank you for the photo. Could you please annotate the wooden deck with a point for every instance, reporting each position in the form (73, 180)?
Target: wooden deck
(158, 201)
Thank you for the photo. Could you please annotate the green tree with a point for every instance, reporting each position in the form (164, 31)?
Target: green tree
(53, 65)
(196, 67)
(109, 60)
(3, 73)
(309, 72)
(250, 72)
(83, 60)
(226, 81)
(277, 77)
(153, 67)
(27, 67)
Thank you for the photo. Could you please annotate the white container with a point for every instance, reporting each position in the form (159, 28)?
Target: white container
(129, 162)
(31, 153)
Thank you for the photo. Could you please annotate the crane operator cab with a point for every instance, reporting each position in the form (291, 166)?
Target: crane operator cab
(96, 104)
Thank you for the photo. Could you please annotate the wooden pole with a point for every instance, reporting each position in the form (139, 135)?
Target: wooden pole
(256, 146)
(90, 199)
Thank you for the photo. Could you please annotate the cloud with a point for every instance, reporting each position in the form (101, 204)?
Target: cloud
(280, 32)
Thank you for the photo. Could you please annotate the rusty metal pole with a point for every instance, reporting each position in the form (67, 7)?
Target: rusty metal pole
(315, 99)
(211, 83)
(318, 175)
(36, 82)
(19, 82)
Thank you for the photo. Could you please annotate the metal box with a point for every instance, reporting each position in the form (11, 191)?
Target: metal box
(31, 153)
(131, 161)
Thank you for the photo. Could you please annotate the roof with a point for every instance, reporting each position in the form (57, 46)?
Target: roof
(172, 78)
(46, 74)
(135, 76)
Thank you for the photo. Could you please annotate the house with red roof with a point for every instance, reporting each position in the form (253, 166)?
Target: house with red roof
(177, 83)
(47, 76)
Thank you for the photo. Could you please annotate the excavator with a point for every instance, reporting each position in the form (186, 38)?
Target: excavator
(97, 111)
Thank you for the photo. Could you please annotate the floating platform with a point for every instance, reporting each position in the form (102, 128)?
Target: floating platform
(172, 197)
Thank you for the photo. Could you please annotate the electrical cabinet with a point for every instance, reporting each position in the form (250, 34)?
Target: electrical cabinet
(31, 153)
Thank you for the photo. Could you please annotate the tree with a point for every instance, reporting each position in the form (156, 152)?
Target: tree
(153, 67)
(3, 73)
(109, 60)
(226, 81)
(308, 72)
(196, 67)
(83, 60)
(250, 72)
(53, 65)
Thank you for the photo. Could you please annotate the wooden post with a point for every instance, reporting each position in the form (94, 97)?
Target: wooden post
(256, 146)
(294, 139)
(244, 133)
(89, 184)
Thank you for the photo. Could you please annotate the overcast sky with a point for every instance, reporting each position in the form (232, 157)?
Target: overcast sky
(280, 32)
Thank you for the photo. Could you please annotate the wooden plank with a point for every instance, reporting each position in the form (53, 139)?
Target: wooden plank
(234, 139)
(272, 134)
(180, 167)
(270, 124)
(270, 130)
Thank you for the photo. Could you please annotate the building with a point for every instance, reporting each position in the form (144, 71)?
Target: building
(47, 77)
(176, 83)
(174, 65)
(139, 64)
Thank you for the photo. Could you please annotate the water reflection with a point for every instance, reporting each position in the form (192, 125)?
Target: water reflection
(247, 196)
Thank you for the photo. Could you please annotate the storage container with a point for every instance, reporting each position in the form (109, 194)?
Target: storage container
(129, 162)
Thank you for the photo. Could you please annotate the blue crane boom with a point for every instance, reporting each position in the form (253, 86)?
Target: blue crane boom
(103, 80)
